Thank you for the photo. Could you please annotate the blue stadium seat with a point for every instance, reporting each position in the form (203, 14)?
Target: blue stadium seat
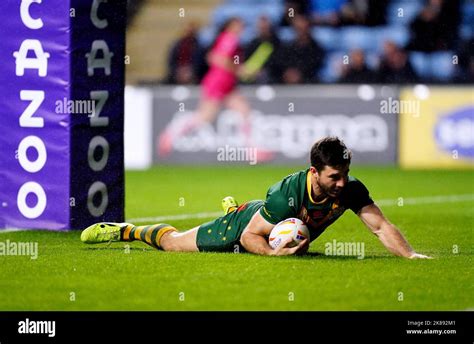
(367, 39)
(434, 66)
(248, 34)
(408, 9)
(372, 60)
(442, 67)
(253, 2)
(273, 11)
(206, 36)
(359, 37)
(466, 32)
(467, 22)
(400, 35)
(420, 63)
(332, 66)
(224, 12)
(468, 12)
(286, 34)
(327, 38)
(249, 13)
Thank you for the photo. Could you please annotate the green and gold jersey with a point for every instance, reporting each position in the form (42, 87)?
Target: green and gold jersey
(291, 197)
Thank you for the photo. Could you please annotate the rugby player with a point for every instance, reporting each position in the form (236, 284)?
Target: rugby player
(318, 196)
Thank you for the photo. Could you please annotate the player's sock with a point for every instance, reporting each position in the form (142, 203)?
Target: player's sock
(149, 234)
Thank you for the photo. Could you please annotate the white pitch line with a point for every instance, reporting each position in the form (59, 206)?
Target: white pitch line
(382, 202)
(176, 217)
(10, 230)
(426, 200)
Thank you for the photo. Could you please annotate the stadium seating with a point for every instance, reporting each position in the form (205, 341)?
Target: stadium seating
(420, 63)
(340, 41)
(332, 67)
(249, 13)
(360, 37)
(207, 35)
(327, 38)
(402, 12)
(467, 22)
(437, 66)
(352, 37)
(442, 67)
(400, 35)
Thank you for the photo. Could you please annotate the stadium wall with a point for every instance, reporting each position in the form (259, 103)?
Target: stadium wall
(381, 124)
(442, 135)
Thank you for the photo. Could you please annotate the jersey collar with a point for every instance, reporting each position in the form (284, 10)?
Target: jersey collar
(308, 189)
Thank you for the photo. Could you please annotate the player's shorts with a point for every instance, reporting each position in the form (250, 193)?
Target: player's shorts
(217, 84)
(223, 234)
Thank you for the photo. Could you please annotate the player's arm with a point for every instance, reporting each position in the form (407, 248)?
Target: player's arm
(254, 239)
(388, 234)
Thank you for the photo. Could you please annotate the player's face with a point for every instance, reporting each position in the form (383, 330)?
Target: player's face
(332, 180)
(237, 26)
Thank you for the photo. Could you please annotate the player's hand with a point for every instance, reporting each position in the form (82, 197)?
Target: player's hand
(304, 248)
(284, 250)
(419, 256)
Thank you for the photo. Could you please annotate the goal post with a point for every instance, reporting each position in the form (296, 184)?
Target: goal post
(61, 113)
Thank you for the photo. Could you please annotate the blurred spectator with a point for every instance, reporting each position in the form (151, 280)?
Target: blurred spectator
(299, 60)
(184, 57)
(433, 29)
(357, 71)
(424, 30)
(265, 33)
(450, 19)
(395, 66)
(364, 12)
(294, 8)
(326, 12)
(465, 73)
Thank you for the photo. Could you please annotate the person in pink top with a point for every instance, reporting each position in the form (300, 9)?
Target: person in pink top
(218, 88)
(221, 79)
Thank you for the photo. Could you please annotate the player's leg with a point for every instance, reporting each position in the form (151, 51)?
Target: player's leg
(218, 235)
(206, 112)
(161, 236)
(180, 241)
(238, 103)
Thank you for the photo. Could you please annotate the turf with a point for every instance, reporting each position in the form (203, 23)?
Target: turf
(68, 275)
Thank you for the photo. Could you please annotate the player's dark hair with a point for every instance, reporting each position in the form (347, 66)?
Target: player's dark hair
(330, 151)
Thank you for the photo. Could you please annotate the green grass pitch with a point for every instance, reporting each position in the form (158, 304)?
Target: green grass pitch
(68, 275)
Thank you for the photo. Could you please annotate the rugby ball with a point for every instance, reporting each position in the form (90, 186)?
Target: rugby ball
(289, 228)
